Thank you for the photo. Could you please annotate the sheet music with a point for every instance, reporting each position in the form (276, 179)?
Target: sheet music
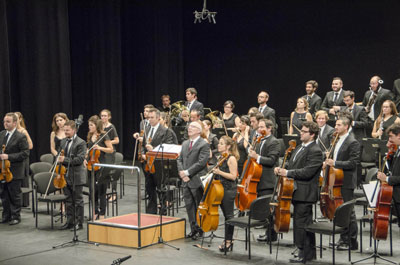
(369, 191)
(169, 148)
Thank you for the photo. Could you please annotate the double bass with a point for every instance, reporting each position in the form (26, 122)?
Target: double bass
(207, 212)
(251, 174)
(383, 203)
(331, 190)
(283, 192)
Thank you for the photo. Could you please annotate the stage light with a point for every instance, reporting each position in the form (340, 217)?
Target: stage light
(204, 14)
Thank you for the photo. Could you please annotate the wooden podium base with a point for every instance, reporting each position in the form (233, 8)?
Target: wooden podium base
(123, 230)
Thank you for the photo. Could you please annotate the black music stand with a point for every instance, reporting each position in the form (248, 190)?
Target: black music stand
(180, 132)
(289, 137)
(219, 132)
(375, 146)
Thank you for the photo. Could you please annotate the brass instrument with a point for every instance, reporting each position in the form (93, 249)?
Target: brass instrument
(213, 117)
(177, 108)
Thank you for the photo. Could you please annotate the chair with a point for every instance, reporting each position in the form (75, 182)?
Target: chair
(119, 159)
(41, 181)
(38, 167)
(115, 175)
(258, 215)
(49, 158)
(341, 221)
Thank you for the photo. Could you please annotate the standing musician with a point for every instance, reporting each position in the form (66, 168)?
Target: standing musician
(393, 178)
(387, 117)
(74, 156)
(192, 163)
(106, 149)
(156, 135)
(57, 134)
(375, 96)
(314, 101)
(299, 115)
(145, 123)
(163, 122)
(16, 151)
(304, 167)
(231, 119)
(267, 155)
(269, 113)
(255, 117)
(192, 102)
(346, 155)
(166, 104)
(212, 141)
(360, 118)
(241, 137)
(325, 131)
(227, 174)
(334, 99)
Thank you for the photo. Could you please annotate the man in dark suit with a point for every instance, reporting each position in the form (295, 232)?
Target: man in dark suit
(393, 178)
(74, 161)
(396, 93)
(267, 155)
(166, 104)
(16, 151)
(314, 101)
(375, 96)
(304, 167)
(346, 156)
(145, 123)
(192, 102)
(334, 99)
(325, 131)
(192, 164)
(254, 119)
(156, 135)
(360, 119)
(269, 113)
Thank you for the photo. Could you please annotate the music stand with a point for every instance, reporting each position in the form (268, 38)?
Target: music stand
(375, 146)
(180, 132)
(289, 137)
(219, 132)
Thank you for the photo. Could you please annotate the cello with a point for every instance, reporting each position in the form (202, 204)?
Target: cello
(283, 192)
(383, 203)
(207, 212)
(5, 174)
(331, 191)
(251, 174)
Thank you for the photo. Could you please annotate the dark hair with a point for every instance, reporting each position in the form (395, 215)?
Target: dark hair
(229, 102)
(165, 96)
(245, 119)
(313, 83)
(71, 124)
(345, 117)
(99, 126)
(268, 123)
(394, 128)
(338, 78)
(54, 123)
(312, 126)
(13, 115)
(192, 91)
(348, 93)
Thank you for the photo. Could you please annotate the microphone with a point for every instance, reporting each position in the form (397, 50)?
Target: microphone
(120, 260)
(79, 121)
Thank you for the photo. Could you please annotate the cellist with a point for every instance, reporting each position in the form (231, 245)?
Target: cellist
(394, 178)
(304, 167)
(266, 155)
(346, 156)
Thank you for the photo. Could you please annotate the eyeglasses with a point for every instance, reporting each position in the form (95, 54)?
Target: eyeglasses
(303, 131)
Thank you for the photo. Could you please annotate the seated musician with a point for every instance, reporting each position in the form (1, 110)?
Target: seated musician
(304, 167)
(192, 164)
(227, 174)
(393, 179)
(266, 155)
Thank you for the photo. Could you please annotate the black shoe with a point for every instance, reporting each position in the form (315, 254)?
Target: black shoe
(265, 238)
(78, 227)
(66, 226)
(226, 247)
(192, 234)
(5, 220)
(297, 260)
(345, 246)
(295, 252)
(14, 222)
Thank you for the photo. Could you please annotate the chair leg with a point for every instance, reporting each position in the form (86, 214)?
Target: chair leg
(51, 206)
(349, 244)
(390, 234)
(249, 244)
(36, 211)
(333, 249)
(245, 245)
(361, 247)
(320, 246)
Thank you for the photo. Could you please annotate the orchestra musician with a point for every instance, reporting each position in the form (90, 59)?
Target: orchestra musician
(194, 116)
(165, 104)
(255, 117)
(192, 103)
(57, 133)
(96, 141)
(145, 123)
(304, 167)
(360, 118)
(334, 99)
(387, 117)
(393, 178)
(227, 174)
(268, 112)
(16, 151)
(213, 142)
(163, 118)
(346, 156)
(314, 101)
(266, 155)
(74, 156)
(325, 131)
(231, 119)
(299, 115)
(241, 137)
(192, 163)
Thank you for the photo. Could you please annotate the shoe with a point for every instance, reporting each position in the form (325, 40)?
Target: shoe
(297, 260)
(14, 222)
(295, 252)
(77, 226)
(5, 220)
(345, 246)
(265, 238)
(226, 247)
(66, 226)
(192, 234)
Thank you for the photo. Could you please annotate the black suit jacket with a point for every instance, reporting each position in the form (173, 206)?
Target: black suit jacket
(17, 150)
(196, 105)
(326, 137)
(77, 171)
(360, 122)
(394, 179)
(396, 93)
(328, 100)
(383, 94)
(305, 171)
(347, 159)
(269, 155)
(162, 135)
(314, 103)
(269, 113)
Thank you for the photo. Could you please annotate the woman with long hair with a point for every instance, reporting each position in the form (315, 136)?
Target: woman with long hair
(299, 115)
(57, 133)
(387, 117)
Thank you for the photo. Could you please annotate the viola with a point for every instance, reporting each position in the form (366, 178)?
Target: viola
(383, 203)
(251, 174)
(282, 196)
(5, 175)
(331, 191)
(59, 181)
(207, 212)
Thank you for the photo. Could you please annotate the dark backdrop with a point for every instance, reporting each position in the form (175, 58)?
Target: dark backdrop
(82, 56)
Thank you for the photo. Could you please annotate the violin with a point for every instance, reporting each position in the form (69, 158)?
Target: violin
(331, 191)
(383, 203)
(207, 212)
(251, 174)
(59, 181)
(140, 158)
(94, 154)
(5, 175)
(283, 192)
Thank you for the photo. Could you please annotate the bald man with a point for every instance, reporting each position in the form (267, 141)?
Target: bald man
(375, 96)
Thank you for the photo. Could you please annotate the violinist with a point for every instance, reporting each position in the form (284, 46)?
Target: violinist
(106, 156)
(227, 174)
(393, 178)
(74, 155)
(213, 142)
(57, 134)
(267, 155)
(192, 163)
(304, 167)
(145, 123)
(346, 155)
(241, 137)
(16, 151)
(255, 117)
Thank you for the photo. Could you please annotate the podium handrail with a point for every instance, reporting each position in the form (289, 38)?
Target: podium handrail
(139, 212)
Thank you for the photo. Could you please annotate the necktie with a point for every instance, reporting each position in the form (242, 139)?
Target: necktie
(371, 101)
(260, 109)
(5, 140)
(308, 98)
(335, 97)
(190, 145)
(188, 106)
(151, 133)
(301, 149)
(67, 147)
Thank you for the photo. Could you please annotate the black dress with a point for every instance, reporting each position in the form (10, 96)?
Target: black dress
(230, 123)
(297, 120)
(386, 124)
(242, 154)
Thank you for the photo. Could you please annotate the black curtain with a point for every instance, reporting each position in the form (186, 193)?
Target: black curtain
(80, 57)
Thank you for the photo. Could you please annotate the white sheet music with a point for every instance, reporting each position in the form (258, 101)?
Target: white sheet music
(169, 148)
(369, 191)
